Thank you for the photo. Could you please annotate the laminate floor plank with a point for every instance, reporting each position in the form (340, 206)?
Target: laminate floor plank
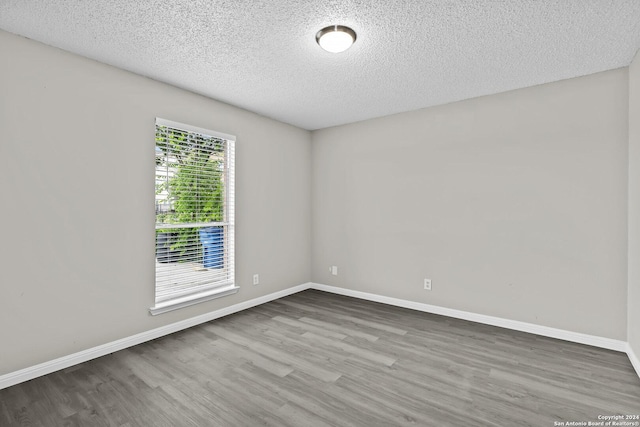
(421, 390)
(275, 353)
(358, 351)
(318, 359)
(335, 313)
(337, 327)
(372, 394)
(302, 391)
(307, 349)
(307, 327)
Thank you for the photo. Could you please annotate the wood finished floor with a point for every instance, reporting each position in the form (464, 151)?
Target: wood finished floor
(317, 359)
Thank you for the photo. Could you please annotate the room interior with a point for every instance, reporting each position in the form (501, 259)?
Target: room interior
(517, 196)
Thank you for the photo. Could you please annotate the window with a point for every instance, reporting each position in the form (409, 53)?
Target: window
(194, 191)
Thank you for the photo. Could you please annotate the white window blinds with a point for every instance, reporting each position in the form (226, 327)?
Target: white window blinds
(194, 191)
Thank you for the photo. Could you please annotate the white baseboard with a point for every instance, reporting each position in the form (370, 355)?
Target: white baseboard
(32, 372)
(546, 331)
(634, 359)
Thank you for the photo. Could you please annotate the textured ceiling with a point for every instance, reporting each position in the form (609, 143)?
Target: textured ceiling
(262, 55)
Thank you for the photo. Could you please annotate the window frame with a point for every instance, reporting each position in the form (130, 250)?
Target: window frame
(206, 293)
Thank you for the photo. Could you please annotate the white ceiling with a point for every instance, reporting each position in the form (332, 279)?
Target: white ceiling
(261, 55)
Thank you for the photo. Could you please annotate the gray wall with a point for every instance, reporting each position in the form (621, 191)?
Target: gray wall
(77, 197)
(634, 207)
(515, 205)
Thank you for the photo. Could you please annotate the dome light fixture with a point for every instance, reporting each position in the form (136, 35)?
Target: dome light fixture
(336, 38)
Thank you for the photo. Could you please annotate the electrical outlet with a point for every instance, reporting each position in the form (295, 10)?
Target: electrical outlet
(256, 279)
(334, 270)
(427, 284)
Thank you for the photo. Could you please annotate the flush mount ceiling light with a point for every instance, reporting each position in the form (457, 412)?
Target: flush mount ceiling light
(336, 38)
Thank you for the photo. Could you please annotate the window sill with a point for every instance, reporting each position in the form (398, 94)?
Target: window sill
(188, 300)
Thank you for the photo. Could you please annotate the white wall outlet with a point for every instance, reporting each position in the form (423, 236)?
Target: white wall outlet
(256, 279)
(334, 270)
(427, 284)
